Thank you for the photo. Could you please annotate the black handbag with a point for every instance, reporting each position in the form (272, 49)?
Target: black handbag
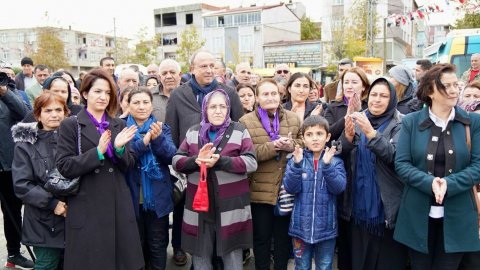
(59, 185)
(179, 186)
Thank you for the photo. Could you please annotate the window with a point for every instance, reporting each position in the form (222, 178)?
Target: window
(221, 21)
(21, 53)
(210, 22)
(32, 37)
(4, 38)
(189, 18)
(169, 19)
(169, 39)
(246, 43)
(5, 54)
(20, 37)
(337, 2)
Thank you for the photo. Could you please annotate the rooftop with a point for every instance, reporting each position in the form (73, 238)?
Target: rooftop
(228, 10)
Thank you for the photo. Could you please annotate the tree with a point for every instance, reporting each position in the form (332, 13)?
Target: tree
(50, 50)
(145, 50)
(189, 43)
(471, 20)
(309, 30)
(349, 36)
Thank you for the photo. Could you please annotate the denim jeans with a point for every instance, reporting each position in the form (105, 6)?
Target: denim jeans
(154, 238)
(322, 252)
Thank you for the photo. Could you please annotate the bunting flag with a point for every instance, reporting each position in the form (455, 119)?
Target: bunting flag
(422, 12)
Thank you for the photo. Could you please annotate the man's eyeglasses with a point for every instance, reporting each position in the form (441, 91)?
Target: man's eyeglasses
(283, 71)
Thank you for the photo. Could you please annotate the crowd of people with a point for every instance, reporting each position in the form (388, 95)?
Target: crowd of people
(371, 173)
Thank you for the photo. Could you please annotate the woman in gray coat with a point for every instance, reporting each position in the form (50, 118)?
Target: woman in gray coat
(100, 228)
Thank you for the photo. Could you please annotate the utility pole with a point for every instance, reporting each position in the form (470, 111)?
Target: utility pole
(385, 45)
(371, 21)
(115, 37)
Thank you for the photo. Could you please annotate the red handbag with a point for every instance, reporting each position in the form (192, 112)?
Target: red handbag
(200, 201)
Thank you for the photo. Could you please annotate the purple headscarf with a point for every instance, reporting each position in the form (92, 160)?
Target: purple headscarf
(206, 126)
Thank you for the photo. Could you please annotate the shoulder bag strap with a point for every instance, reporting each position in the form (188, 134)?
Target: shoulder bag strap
(475, 187)
(226, 137)
(79, 136)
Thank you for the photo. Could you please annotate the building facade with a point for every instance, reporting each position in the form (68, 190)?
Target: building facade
(398, 39)
(239, 34)
(171, 21)
(83, 50)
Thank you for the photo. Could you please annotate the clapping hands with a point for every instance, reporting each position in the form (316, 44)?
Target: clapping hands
(153, 133)
(207, 156)
(284, 143)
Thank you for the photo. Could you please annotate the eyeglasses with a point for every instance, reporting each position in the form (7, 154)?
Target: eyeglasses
(283, 71)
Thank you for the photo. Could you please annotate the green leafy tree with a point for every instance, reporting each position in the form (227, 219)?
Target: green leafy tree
(50, 50)
(471, 20)
(145, 50)
(189, 43)
(349, 36)
(309, 30)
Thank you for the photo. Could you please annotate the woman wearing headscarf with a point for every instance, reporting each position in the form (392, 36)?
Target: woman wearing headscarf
(149, 180)
(402, 79)
(374, 191)
(100, 229)
(59, 86)
(438, 218)
(34, 156)
(227, 151)
(275, 133)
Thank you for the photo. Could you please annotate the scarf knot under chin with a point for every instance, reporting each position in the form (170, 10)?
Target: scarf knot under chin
(150, 170)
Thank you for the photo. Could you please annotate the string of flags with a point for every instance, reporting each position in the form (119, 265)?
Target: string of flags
(422, 12)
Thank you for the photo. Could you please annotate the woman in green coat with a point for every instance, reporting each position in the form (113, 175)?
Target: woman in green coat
(438, 218)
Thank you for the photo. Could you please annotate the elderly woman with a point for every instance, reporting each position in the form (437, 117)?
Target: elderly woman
(298, 88)
(224, 147)
(100, 231)
(352, 99)
(374, 190)
(34, 157)
(275, 133)
(438, 218)
(149, 180)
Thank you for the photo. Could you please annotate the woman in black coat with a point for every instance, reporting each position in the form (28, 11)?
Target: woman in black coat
(353, 98)
(100, 229)
(34, 157)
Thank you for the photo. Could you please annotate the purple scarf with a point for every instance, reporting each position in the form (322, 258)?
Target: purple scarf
(206, 126)
(102, 127)
(266, 123)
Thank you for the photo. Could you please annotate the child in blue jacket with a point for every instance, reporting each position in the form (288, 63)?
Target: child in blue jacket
(315, 176)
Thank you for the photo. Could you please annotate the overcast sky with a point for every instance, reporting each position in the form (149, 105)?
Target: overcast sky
(97, 15)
